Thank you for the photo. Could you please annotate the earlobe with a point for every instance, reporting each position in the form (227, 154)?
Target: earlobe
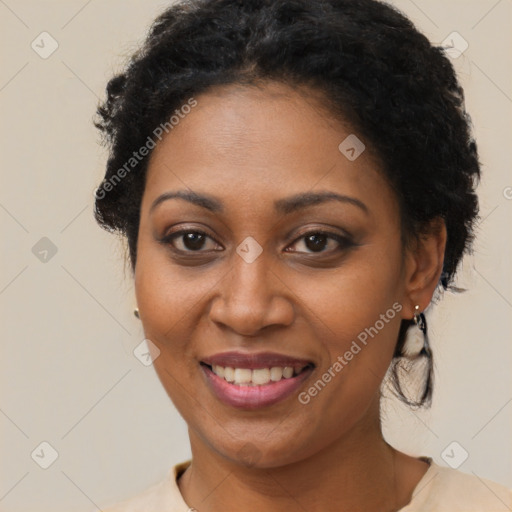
(424, 266)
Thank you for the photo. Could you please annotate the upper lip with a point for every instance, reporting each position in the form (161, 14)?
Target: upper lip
(254, 360)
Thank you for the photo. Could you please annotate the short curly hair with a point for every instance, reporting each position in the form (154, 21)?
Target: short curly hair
(375, 70)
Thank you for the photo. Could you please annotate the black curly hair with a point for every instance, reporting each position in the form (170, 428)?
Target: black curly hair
(373, 69)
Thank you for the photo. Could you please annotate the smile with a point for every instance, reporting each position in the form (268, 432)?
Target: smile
(254, 381)
(257, 377)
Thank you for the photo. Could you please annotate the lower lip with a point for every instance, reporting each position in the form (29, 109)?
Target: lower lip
(254, 397)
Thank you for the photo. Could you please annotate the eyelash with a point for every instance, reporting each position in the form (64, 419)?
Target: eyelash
(343, 241)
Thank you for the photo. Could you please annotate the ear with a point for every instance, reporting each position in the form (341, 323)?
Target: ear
(423, 267)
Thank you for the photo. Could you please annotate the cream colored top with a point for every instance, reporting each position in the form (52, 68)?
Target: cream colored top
(440, 490)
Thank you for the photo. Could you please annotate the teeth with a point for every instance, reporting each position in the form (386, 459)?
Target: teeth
(287, 372)
(256, 377)
(276, 373)
(243, 376)
(260, 376)
(229, 374)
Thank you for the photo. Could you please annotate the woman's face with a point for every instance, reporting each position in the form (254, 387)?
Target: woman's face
(276, 280)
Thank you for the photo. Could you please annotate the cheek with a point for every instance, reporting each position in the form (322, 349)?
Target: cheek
(167, 294)
(354, 296)
(356, 314)
(168, 302)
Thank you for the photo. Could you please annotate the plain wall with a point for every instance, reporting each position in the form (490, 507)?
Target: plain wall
(68, 374)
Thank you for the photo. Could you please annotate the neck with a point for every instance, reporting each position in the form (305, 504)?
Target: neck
(356, 472)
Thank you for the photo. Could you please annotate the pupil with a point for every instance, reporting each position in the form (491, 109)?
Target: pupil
(318, 242)
(194, 241)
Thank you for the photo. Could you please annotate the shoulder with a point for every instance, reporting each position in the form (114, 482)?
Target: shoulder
(445, 489)
(164, 495)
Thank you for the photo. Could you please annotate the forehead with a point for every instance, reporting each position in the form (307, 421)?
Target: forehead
(247, 143)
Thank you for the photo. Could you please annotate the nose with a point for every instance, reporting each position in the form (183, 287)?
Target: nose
(251, 298)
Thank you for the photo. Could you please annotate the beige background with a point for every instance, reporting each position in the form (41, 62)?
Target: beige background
(69, 376)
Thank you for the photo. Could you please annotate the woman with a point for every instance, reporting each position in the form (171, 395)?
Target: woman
(295, 180)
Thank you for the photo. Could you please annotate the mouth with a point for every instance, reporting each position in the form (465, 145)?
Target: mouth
(251, 381)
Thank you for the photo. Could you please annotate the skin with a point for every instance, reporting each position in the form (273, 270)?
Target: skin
(269, 143)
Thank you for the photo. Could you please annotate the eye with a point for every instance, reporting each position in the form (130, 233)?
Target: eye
(317, 241)
(314, 241)
(189, 241)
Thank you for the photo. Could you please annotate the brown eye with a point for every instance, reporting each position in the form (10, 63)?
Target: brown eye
(318, 241)
(189, 241)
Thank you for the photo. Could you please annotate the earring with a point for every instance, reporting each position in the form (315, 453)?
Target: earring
(412, 372)
(136, 313)
(420, 321)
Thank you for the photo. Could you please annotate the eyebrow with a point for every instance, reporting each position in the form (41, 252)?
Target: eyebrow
(284, 206)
